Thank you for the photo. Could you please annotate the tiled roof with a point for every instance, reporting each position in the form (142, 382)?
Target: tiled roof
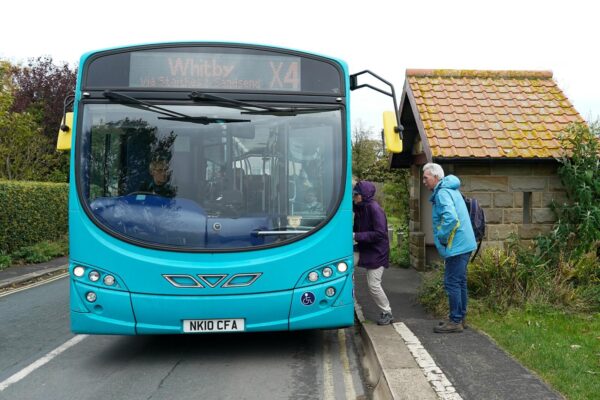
(493, 114)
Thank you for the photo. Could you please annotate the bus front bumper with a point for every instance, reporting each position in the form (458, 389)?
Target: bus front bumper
(124, 313)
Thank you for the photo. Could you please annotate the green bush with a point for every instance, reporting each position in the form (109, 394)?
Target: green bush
(5, 261)
(578, 226)
(42, 252)
(432, 294)
(399, 256)
(498, 277)
(500, 280)
(504, 279)
(395, 204)
(399, 251)
(31, 212)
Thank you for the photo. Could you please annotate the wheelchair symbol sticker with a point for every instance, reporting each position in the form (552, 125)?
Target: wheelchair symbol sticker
(307, 298)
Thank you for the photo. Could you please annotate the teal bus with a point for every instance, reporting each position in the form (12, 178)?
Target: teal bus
(210, 190)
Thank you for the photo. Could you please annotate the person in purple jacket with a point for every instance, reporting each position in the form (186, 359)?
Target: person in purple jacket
(371, 237)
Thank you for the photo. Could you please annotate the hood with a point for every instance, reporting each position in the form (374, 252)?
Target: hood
(366, 189)
(449, 182)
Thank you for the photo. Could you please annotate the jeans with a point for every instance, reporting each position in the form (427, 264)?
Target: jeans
(455, 283)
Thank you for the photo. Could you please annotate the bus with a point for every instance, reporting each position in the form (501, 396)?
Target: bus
(210, 190)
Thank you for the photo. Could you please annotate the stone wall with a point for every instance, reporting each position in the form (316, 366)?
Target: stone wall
(516, 198)
(416, 236)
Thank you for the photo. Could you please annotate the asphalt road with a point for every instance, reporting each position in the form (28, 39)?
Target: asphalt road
(41, 359)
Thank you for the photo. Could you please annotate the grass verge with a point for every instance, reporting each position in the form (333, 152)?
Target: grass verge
(37, 253)
(562, 348)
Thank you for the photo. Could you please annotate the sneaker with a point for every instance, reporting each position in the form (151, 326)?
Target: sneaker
(386, 319)
(449, 327)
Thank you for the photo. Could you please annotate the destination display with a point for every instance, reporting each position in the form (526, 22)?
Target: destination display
(234, 68)
(268, 72)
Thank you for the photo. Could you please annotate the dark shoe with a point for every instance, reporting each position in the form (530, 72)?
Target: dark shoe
(463, 322)
(386, 319)
(449, 327)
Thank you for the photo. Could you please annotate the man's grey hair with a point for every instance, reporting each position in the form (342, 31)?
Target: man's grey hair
(434, 169)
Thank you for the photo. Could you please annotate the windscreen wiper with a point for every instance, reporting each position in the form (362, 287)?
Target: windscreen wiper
(291, 111)
(205, 120)
(242, 105)
(169, 114)
(255, 109)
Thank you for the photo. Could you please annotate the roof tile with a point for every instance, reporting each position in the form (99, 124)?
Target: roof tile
(498, 114)
(486, 134)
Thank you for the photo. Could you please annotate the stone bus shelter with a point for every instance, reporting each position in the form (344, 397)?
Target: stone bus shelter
(498, 132)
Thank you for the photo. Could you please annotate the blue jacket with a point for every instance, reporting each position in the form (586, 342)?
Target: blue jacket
(370, 229)
(452, 230)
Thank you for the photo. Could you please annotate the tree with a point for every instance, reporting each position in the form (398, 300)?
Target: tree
(369, 159)
(39, 89)
(23, 154)
(370, 162)
(366, 151)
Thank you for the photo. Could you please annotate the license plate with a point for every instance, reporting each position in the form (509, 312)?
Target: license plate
(213, 325)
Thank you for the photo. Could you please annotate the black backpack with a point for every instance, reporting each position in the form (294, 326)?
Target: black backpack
(477, 217)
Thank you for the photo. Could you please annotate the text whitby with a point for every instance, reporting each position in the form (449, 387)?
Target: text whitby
(215, 72)
(199, 69)
(184, 72)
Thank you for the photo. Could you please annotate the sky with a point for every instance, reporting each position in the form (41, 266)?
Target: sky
(385, 36)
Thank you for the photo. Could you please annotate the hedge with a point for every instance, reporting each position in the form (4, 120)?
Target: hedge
(31, 212)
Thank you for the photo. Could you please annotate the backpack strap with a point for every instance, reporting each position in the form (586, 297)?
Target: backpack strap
(477, 250)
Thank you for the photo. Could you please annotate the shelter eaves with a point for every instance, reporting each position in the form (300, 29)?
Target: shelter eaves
(474, 114)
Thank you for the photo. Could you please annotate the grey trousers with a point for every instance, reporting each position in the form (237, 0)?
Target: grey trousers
(374, 282)
(377, 293)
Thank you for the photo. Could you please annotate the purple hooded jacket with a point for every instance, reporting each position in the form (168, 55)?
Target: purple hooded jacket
(370, 229)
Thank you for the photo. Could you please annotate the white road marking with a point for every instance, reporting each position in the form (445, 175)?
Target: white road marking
(433, 373)
(40, 362)
(36, 284)
(328, 388)
(348, 382)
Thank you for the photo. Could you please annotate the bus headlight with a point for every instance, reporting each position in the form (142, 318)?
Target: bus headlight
(94, 276)
(109, 280)
(90, 296)
(78, 271)
(330, 292)
(327, 272)
(313, 276)
(342, 267)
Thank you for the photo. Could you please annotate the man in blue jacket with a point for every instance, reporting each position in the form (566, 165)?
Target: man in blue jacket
(454, 239)
(371, 236)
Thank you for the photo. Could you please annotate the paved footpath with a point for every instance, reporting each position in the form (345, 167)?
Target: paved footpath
(475, 368)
